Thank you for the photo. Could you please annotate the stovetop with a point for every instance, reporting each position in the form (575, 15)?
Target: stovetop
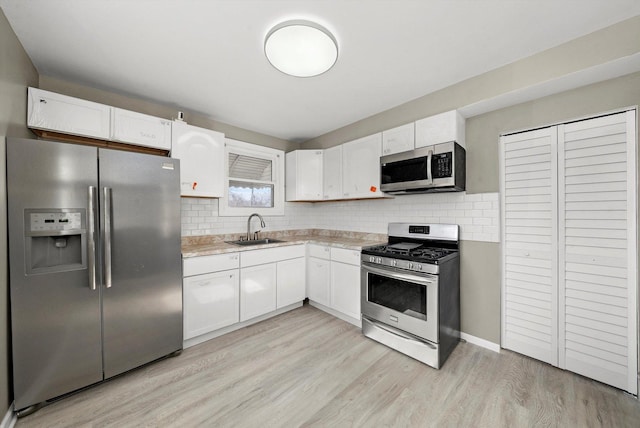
(421, 253)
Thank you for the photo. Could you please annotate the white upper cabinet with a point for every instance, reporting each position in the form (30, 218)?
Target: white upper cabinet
(361, 167)
(303, 175)
(140, 129)
(60, 113)
(441, 128)
(332, 173)
(398, 139)
(201, 154)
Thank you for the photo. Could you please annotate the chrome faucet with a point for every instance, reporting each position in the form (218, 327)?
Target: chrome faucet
(262, 224)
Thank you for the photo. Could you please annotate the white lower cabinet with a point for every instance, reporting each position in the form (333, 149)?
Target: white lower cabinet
(224, 292)
(290, 284)
(211, 302)
(333, 279)
(257, 291)
(345, 281)
(210, 293)
(318, 280)
(318, 273)
(271, 279)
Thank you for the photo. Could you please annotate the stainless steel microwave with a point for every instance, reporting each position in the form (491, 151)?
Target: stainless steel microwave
(438, 168)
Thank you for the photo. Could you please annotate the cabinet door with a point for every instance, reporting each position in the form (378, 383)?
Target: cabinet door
(140, 129)
(68, 115)
(398, 139)
(361, 167)
(332, 173)
(303, 175)
(530, 284)
(345, 289)
(598, 256)
(257, 290)
(291, 282)
(441, 128)
(201, 154)
(318, 280)
(211, 302)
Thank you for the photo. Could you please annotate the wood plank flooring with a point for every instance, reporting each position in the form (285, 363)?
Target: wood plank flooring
(307, 368)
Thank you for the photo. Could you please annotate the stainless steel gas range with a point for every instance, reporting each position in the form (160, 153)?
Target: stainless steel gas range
(411, 291)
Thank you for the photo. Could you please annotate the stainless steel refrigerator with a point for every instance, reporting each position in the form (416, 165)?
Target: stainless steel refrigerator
(94, 264)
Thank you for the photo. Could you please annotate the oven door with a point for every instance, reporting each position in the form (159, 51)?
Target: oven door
(405, 300)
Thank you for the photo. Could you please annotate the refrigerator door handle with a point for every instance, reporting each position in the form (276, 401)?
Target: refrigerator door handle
(92, 237)
(107, 237)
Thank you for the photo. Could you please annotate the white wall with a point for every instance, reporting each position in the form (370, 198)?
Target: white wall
(477, 214)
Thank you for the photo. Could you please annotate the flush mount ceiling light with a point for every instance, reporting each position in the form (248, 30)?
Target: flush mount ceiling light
(301, 48)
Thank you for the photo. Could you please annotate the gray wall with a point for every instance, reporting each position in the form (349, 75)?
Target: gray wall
(480, 265)
(16, 73)
(480, 275)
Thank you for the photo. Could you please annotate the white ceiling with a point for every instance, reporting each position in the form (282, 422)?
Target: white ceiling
(206, 56)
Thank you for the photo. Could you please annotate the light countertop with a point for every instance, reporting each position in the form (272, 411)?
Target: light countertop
(194, 246)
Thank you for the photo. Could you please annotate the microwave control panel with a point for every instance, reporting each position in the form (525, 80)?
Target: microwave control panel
(442, 165)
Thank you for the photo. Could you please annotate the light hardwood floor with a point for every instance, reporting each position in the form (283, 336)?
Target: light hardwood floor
(307, 368)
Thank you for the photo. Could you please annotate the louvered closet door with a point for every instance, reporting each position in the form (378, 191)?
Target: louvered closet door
(529, 231)
(597, 258)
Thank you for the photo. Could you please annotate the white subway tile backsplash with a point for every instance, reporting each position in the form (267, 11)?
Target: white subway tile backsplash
(484, 205)
(477, 215)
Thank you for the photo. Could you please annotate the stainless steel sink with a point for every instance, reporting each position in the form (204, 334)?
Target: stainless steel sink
(256, 242)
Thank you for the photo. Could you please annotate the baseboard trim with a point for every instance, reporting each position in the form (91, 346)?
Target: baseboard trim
(10, 418)
(480, 342)
(337, 314)
(237, 326)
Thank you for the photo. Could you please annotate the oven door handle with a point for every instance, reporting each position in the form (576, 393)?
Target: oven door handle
(397, 275)
(400, 334)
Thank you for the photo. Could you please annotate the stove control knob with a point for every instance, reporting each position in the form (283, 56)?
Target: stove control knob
(372, 259)
(379, 260)
(410, 265)
(395, 263)
(419, 267)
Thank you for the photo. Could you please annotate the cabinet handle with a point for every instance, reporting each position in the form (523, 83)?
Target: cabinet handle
(43, 101)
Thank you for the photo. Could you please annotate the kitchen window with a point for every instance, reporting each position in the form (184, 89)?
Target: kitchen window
(254, 180)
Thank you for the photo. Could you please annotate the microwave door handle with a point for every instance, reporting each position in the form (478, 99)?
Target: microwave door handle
(429, 172)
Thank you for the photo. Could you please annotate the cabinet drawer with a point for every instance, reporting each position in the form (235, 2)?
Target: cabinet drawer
(319, 251)
(141, 129)
(204, 264)
(342, 255)
(270, 255)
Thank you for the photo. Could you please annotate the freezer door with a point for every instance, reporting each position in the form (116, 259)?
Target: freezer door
(55, 313)
(142, 281)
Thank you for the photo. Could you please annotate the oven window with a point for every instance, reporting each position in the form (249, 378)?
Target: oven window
(406, 297)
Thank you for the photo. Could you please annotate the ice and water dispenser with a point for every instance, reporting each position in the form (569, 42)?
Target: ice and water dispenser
(56, 240)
